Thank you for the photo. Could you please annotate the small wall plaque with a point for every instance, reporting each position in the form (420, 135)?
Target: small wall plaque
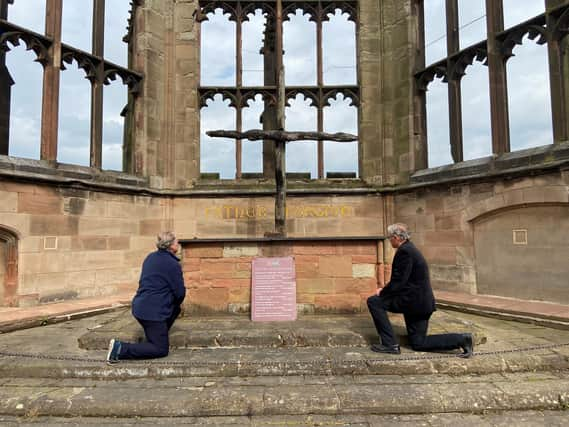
(50, 243)
(520, 237)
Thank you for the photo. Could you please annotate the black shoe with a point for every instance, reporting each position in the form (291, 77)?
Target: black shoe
(390, 349)
(467, 346)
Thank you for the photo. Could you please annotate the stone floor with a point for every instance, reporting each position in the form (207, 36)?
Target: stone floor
(45, 375)
(229, 371)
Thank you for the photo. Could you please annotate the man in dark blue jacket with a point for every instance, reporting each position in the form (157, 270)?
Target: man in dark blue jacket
(409, 292)
(157, 302)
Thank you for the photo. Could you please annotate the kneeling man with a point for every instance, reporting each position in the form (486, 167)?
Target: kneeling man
(409, 292)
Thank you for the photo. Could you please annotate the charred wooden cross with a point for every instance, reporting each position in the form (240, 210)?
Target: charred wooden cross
(279, 136)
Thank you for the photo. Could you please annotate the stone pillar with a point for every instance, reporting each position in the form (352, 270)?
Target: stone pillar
(186, 131)
(51, 78)
(269, 117)
(167, 111)
(388, 40)
(557, 47)
(6, 83)
(370, 77)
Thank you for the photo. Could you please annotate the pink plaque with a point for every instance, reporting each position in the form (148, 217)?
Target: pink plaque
(273, 296)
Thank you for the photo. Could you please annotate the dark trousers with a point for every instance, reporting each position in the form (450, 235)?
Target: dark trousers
(157, 342)
(417, 327)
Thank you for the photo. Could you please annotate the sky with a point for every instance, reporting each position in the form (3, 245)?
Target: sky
(530, 111)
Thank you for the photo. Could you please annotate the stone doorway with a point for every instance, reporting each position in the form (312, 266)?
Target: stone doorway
(8, 267)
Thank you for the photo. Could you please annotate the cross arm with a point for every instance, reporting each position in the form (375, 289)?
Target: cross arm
(280, 135)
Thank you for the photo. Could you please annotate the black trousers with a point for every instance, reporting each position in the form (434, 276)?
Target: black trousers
(157, 341)
(417, 327)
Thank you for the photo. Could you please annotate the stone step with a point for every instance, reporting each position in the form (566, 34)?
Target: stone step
(284, 396)
(252, 362)
(502, 418)
(240, 331)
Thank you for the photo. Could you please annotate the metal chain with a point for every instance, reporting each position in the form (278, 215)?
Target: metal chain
(265, 363)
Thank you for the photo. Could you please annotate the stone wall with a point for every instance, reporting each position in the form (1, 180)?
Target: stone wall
(3, 259)
(167, 110)
(466, 232)
(307, 216)
(391, 140)
(331, 276)
(77, 243)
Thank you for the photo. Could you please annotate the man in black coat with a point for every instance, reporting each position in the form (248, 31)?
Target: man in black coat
(157, 302)
(409, 292)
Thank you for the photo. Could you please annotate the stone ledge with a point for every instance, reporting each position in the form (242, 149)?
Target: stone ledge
(43, 170)
(515, 163)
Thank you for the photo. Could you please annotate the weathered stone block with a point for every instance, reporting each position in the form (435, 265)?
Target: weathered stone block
(90, 243)
(53, 225)
(9, 201)
(39, 204)
(335, 266)
(344, 303)
(240, 250)
(315, 286)
(207, 300)
(204, 250)
(363, 270)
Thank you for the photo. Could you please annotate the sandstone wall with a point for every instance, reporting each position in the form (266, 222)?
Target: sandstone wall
(331, 276)
(75, 243)
(308, 216)
(466, 232)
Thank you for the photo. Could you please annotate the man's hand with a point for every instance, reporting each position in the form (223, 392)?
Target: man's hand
(378, 291)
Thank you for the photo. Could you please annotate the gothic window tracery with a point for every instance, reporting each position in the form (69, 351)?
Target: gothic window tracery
(314, 91)
(545, 26)
(56, 54)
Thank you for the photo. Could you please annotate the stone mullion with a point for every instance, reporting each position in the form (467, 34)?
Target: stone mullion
(320, 84)
(269, 112)
(420, 122)
(557, 76)
(239, 83)
(454, 91)
(6, 83)
(98, 43)
(498, 79)
(51, 78)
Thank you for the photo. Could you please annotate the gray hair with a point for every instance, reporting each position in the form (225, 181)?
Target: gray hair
(398, 229)
(165, 239)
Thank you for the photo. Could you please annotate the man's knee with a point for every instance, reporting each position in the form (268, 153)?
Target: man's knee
(417, 342)
(375, 301)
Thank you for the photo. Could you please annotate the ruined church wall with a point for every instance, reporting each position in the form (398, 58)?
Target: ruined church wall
(75, 243)
(334, 271)
(499, 236)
